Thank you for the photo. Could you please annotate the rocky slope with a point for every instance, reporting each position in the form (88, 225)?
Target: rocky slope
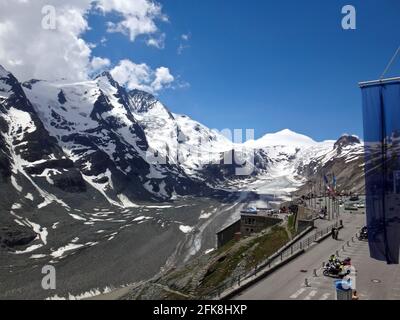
(344, 160)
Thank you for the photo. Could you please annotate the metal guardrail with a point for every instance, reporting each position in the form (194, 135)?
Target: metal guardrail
(270, 262)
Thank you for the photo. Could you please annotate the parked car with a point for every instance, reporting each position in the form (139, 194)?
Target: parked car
(350, 207)
(250, 210)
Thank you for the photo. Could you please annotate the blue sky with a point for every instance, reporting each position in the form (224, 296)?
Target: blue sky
(267, 65)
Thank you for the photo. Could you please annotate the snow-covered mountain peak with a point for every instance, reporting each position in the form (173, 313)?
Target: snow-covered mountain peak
(143, 102)
(284, 137)
(106, 77)
(9, 85)
(346, 140)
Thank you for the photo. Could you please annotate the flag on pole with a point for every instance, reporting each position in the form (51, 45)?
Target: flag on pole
(326, 180)
(333, 189)
(334, 182)
(327, 186)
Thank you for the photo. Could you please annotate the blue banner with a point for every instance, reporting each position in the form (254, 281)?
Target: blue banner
(381, 115)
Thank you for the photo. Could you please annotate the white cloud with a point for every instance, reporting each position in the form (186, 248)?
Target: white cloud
(132, 75)
(163, 78)
(138, 16)
(141, 76)
(43, 53)
(103, 41)
(98, 63)
(30, 51)
(182, 46)
(185, 37)
(158, 43)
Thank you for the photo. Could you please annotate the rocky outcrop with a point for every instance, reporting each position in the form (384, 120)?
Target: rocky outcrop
(16, 236)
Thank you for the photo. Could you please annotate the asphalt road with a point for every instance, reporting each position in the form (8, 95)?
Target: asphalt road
(374, 280)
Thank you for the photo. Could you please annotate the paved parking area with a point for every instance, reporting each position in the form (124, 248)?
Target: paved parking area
(374, 279)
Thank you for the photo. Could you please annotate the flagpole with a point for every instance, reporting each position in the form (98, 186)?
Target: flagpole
(325, 196)
(313, 195)
(375, 82)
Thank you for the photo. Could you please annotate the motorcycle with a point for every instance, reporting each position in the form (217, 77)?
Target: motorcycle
(336, 270)
(363, 234)
(347, 262)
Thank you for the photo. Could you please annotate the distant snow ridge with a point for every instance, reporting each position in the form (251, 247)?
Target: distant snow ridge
(285, 137)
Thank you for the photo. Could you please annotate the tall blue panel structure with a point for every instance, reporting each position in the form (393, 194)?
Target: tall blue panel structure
(381, 115)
